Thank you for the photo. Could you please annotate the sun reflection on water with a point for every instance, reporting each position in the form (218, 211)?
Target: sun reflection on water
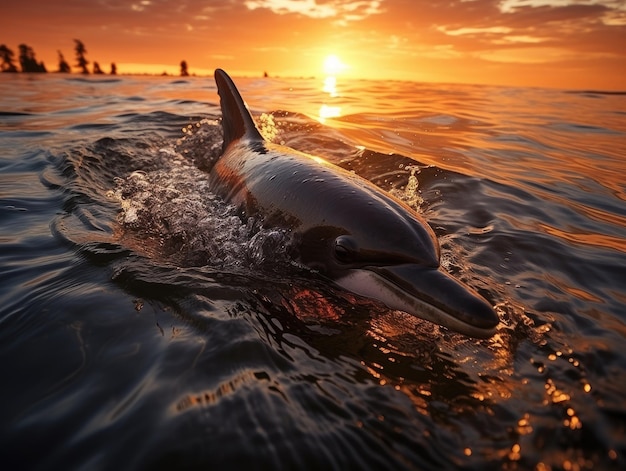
(330, 85)
(329, 110)
(333, 66)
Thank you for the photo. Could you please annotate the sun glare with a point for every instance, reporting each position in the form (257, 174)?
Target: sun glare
(333, 65)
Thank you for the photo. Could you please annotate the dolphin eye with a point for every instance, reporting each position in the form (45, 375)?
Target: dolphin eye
(346, 249)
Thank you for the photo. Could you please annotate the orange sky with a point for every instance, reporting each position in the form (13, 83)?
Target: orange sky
(554, 43)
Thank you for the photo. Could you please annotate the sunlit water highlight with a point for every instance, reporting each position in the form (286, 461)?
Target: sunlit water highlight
(145, 324)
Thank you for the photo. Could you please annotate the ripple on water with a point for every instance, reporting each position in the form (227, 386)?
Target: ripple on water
(181, 335)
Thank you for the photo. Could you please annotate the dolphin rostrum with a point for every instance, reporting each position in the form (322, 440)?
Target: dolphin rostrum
(348, 229)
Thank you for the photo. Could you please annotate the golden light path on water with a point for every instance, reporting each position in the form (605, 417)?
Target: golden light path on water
(333, 66)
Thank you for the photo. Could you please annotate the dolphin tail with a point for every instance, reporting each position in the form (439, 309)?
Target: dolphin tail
(237, 122)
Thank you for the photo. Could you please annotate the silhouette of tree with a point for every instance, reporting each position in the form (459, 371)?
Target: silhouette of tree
(27, 60)
(64, 67)
(97, 69)
(113, 68)
(7, 55)
(183, 69)
(81, 62)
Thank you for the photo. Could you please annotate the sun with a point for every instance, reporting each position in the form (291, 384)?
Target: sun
(333, 65)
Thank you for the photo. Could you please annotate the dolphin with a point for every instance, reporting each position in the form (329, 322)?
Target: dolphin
(346, 228)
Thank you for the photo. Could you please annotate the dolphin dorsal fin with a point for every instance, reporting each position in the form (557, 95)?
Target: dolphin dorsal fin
(237, 123)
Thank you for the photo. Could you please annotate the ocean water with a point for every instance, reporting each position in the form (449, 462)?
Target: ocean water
(144, 325)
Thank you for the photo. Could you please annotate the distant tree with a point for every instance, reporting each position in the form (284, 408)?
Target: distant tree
(183, 69)
(27, 60)
(97, 69)
(7, 55)
(64, 67)
(113, 68)
(80, 50)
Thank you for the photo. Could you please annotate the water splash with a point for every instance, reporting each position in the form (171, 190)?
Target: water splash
(172, 208)
(411, 192)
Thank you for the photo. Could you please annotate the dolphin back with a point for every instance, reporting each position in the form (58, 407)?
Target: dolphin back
(237, 122)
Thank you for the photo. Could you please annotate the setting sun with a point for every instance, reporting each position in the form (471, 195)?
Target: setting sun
(333, 65)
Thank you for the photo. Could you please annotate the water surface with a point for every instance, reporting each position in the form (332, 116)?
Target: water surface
(143, 324)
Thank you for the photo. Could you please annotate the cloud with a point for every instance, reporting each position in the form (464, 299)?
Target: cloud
(440, 51)
(537, 55)
(516, 39)
(511, 6)
(308, 8)
(464, 31)
(342, 10)
(535, 31)
(141, 6)
(529, 55)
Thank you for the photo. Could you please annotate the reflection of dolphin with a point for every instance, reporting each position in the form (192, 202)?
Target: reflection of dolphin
(346, 227)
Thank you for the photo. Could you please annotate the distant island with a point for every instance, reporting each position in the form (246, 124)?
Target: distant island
(29, 64)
